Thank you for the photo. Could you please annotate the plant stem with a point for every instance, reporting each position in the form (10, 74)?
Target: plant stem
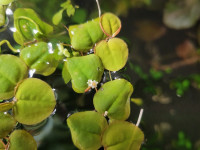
(98, 8)
(110, 76)
(140, 117)
(9, 45)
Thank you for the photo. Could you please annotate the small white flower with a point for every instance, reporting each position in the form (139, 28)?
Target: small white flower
(92, 84)
(105, 113)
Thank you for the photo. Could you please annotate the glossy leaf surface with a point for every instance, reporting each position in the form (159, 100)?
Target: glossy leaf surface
(84, 36)
(35, 101)
(114, 53)
(114, 98)
(110, 24)
(29, 26)
(6, 125)
(82, 69)
(40, 57)
(86, 129)
(20, 139)
(12, 71)
(122, 135)
(6, 106)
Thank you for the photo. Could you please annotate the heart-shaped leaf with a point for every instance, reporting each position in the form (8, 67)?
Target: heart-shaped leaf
(82, 69)
(40, 57)
(84, 36)
(21, 139)
(5, 2)
(86, 129)
(122, 135)
(114, 53)
(113, 99)
(7, 124)
(29, 26)
(35, 101)
(12, 71)
(110, 24)
(6, 106)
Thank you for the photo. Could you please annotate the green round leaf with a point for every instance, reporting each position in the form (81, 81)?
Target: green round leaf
(12, 71)
(84, 36)
(29, 26)
(6, 106)
(40, 57)
(122, 135)
(110, 24)
(35, 101)
(82, 69)
(21, 139)
(5, 2)
(86, 129)
(7, 124)
(113, 99)
(114, 53)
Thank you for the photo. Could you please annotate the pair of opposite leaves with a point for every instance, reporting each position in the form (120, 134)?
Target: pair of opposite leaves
(112, 52)
(90, 131)
(33, 100)
(18, 138)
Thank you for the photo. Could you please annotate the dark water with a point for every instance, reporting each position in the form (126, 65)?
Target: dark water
(169, 122)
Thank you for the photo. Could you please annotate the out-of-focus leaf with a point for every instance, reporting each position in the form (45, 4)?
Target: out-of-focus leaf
(21, 139)
(80, 15)
(181, 14)
(122, 135)
(137, 101)
(87, 129)
(113, 99)
(5, 2)
(7, 124)
(35, 101)
(186, 49)
(113, 53)
(12, 71)
(148, 30)
(57, 17)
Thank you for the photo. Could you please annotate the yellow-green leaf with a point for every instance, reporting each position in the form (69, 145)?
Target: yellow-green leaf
(113, 99)
(86, 129)
(122, 135)
(7, 124)
(110, 24)
(21, 139)
(113, 53)
(35, 101)
(12, 71)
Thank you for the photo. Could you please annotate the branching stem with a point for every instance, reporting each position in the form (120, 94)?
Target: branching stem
(110, 76)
